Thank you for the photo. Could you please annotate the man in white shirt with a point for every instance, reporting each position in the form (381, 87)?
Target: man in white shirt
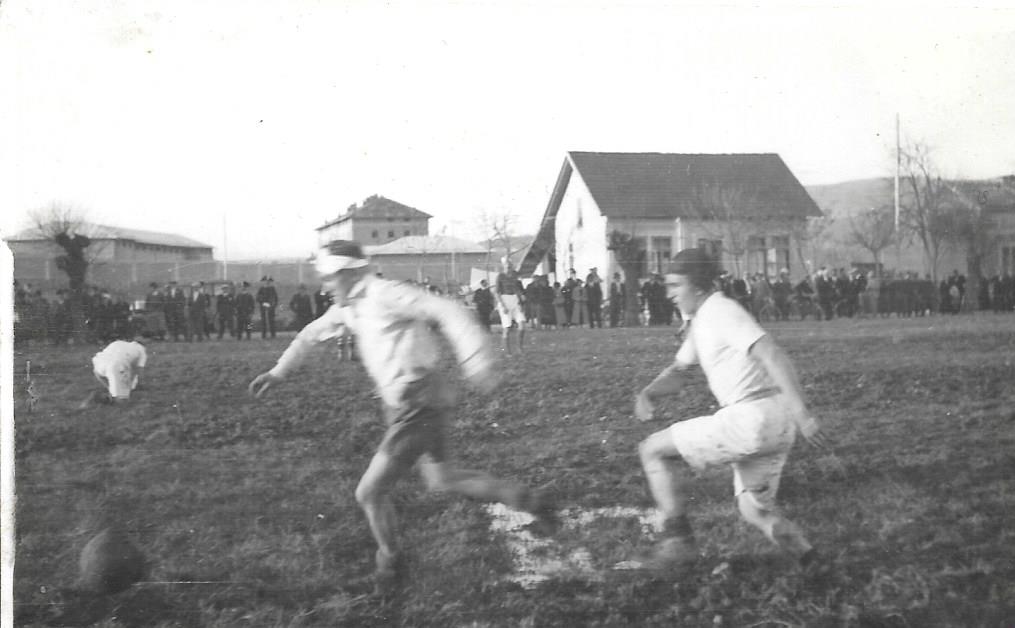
(394, 324)
(118, 368)
(762, 408)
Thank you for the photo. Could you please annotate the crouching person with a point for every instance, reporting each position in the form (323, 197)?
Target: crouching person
(395, 326)
(762, 409)
(118, 368)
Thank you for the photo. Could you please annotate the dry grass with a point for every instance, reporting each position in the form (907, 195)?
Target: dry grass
(246, 508)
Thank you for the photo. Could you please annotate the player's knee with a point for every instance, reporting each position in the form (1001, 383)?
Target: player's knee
(367, 493)
(434, 478)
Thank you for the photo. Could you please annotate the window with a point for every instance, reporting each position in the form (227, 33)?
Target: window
(712, 247)
(407, 232)
(391, 233)
(578, 205)
(406, 219)
(662, 251)
(1008, 260)
(778, 255)
(767, 255)
(756, 254)
(373, 234)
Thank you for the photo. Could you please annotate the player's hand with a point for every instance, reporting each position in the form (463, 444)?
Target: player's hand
(810, 429)
(644, 409)
(262, 382)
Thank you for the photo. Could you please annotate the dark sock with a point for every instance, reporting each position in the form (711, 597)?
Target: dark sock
(677, 527)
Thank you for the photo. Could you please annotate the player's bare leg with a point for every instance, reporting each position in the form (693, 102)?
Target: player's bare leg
(776, 527)
(521, 337)
(505, 338)
(669, 485)
(479, 485)
(374, 496)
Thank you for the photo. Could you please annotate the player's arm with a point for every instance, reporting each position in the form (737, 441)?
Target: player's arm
(459, 327)
(668, 382)
(783, 374)
(320, 330)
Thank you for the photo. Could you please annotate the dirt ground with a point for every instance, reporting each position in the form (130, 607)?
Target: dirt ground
(246, 513)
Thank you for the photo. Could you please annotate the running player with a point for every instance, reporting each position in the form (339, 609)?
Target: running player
(395, 324)
(762, 409)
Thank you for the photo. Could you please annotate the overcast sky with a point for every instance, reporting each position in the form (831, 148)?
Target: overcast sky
(273, 117)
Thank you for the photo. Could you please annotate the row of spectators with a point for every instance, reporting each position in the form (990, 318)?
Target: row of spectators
(106, 316)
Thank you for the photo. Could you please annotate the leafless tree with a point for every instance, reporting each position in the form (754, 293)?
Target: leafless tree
(972, 228)
(923, 203)
(873, 231)
(67, 228)
(631, 258)
(500, 234)
(726, 212)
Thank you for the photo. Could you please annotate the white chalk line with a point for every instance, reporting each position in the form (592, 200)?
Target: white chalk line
(537, 560)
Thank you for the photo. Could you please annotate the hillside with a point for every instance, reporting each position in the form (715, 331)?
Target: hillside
(838, 200)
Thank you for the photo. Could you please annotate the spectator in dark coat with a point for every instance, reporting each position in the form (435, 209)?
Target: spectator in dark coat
(245, 305)
(594, 292)
(300, 306)
(322, 301)
(617, 299)
(225, 311)
(484, 303)
(267, 300)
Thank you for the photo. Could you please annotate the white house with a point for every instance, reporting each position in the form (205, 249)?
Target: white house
(748, 208)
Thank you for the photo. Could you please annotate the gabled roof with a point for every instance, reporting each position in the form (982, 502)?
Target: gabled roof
(672, 185)
(107, 232)
(419, 245)
(377, 207)
(666, 185)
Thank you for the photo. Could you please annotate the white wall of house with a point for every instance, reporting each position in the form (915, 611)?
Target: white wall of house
(581, 231)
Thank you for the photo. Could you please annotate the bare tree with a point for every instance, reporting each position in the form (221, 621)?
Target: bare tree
(631, 257)
(923, 208)
(499, 229)
(66, 227)
(726, 212)
(873, 231)
(972, 229)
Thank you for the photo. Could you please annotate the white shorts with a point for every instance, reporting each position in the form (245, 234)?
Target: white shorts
(512, 312)
(119, 379)
(754, 437)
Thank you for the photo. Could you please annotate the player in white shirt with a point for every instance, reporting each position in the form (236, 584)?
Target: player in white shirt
(396, 327)
(118, 368)
(762, 409)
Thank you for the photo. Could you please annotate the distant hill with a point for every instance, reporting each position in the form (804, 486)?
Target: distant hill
(840, 200)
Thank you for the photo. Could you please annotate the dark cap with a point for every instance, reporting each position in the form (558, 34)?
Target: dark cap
(700, 267)
(246, 284)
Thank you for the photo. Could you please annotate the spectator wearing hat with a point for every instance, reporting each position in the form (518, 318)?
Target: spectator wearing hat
(175, 304)
(245, 305)
(225, 311)
(483, 299)
(618, 293)
(322, 301)
(267, 300)
(197, 313)
(301, 306)
(782, 290)
(594, 293)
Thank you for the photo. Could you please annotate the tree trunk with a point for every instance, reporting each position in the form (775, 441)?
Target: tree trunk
(632, 314)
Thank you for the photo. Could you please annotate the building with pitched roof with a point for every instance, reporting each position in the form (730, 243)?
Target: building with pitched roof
(117, 244)
(377, 220)
(747, 208)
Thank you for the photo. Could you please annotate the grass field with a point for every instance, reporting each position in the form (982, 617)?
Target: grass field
(247, 513)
